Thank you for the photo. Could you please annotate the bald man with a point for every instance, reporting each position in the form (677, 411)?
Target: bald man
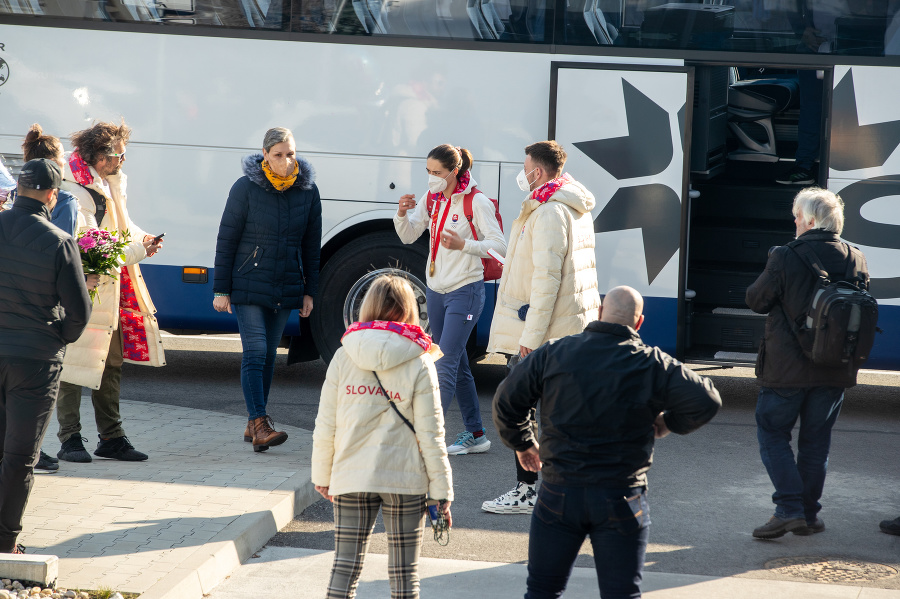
(605, 397)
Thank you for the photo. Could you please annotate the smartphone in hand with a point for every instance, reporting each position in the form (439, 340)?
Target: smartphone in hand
(158, 238)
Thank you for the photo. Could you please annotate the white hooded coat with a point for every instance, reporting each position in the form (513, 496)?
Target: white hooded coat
(86, 358)
(360, 444)
(550, 266)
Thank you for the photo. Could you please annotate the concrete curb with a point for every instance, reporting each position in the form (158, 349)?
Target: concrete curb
(216, 560)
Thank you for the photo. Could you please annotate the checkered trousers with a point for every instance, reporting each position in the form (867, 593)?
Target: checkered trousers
(354, 519)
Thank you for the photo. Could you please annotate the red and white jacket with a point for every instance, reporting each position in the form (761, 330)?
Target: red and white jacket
(455, 268)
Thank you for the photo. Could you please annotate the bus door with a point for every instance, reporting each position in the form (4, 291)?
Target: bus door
(623, 127)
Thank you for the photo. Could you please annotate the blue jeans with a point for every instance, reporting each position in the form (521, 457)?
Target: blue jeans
(617, 521)
(798, 484)
(261, 330)
(453, 316)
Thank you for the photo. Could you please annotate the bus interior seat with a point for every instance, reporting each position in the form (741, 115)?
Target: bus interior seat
(586, 24)
(752, 104)
(485, 19)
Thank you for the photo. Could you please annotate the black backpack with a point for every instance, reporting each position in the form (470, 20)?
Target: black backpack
(841, 321)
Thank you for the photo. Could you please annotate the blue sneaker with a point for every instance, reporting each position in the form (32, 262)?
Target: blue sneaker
(466, 443)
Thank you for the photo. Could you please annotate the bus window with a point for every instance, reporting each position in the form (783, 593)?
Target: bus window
(507, 20)
(258, 14)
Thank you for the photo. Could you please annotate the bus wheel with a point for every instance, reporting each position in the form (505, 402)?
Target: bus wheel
(346, 277)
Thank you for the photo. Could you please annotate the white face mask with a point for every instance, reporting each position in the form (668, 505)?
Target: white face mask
(437, 184)
(522, 180)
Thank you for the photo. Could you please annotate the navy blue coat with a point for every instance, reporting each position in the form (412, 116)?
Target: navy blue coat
(267, 252)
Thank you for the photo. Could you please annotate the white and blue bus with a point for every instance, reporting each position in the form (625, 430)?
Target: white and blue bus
(680, 117)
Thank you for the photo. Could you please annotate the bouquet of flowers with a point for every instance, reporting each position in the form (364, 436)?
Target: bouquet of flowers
(102, 253)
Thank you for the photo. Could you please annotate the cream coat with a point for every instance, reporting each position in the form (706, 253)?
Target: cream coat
(551, 266)
(85, 359)
(455, 268)
(360, 444)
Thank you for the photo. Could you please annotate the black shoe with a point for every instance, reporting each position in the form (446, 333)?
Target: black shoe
(46, 464)
(73, 450)
(797, 176)
(810, 529)
(891, 527)
(119, 449)
(776, 527)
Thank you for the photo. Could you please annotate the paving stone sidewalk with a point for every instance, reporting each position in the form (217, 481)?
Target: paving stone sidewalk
(175, 525)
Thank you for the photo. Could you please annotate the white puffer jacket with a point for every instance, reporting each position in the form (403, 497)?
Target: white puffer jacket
(86, 358)
(551, 266)
(455, 268)
(360, 444)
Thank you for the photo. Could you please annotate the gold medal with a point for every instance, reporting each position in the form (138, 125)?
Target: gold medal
(431, 270)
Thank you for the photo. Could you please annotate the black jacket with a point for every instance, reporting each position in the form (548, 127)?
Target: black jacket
(784, 291)
(44, 303)
(600, 392)
(267, 253)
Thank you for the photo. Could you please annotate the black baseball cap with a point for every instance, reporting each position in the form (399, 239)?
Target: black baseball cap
(40, 173)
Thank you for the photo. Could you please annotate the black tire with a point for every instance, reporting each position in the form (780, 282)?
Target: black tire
(375, 251)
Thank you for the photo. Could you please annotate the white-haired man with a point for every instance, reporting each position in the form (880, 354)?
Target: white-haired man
(792, 387)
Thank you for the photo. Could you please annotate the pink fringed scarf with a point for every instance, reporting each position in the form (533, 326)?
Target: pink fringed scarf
(413, 332)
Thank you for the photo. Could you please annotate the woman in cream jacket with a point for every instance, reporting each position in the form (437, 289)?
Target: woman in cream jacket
(455, 275)
(365, 456)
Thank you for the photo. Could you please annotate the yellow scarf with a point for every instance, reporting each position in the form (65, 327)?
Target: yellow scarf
(278, 182)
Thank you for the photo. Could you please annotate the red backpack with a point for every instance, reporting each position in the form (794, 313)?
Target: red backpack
(493, 270)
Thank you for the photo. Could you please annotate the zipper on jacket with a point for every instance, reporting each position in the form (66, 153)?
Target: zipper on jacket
(249, 258)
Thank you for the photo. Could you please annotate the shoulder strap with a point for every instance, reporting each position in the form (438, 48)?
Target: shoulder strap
(809, 258)
(852, 272)
(467, 210)
(390, 401)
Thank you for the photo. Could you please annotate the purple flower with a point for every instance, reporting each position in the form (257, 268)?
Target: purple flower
(106, 255)
(87, 243)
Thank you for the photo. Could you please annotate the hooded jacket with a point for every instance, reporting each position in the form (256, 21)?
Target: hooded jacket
(44, 303)
(455, 268)
(784, 291)
(267, 252)
(550, 266)
(123, 301)
(360, 444)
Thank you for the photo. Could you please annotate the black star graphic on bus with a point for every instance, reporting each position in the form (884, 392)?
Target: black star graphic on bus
(646, 151)
(855, 146)
(652, 208)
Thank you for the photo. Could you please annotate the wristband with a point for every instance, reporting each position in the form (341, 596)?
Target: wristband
(221, 295)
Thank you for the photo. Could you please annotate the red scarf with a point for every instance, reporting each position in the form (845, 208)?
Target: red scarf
(413, 332)
(546, 191)
(80, 169)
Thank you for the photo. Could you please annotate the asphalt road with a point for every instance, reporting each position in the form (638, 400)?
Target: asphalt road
(708, 490)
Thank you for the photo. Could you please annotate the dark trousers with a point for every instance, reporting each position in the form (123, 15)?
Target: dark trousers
(798, 482)
(105, 399)
(617, 522)
(28, 391)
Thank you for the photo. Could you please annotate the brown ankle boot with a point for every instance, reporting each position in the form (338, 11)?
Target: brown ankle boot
(264, 436)
(248, 436)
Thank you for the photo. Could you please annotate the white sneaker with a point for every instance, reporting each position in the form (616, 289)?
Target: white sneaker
(518, 501)
(467, 443)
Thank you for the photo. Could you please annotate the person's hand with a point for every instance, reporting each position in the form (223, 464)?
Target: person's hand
(407, 202)
(307, 306)
(323, 491)
(524, 351)
(222, 303)
(452, 241)
(150, 247)
(447, 515)
(660, 429)
(92, 281)
(530, 458)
